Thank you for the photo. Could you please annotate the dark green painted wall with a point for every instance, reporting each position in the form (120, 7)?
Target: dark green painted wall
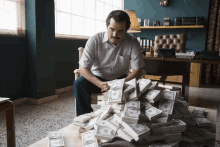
(14, 72)
(151, 9)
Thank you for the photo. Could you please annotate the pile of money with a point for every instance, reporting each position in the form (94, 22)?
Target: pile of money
(55, 139)
(140, 111)
(88, 139)
(199, 118)
(131, 112)
(151, 95)
(115, 93)
(152, 112)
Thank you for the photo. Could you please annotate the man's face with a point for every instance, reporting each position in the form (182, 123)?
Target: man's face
(116, 31)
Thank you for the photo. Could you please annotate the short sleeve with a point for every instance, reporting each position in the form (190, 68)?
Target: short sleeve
(136, 61)
(88, 56)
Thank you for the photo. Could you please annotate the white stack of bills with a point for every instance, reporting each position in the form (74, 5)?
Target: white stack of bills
(131, 112)
(143, 85)
(115, 93)
(166, 102)
(88, 139)
(104, 132)
(130, 86)
(151, 95)
(152, 112)
(56, 139)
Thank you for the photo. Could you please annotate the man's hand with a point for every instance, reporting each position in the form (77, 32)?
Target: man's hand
(104, 87)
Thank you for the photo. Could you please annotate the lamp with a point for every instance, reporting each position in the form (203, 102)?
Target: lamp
(134, 27)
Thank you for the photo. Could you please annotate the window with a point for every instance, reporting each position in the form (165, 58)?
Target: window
(12, 16)
(83, 18)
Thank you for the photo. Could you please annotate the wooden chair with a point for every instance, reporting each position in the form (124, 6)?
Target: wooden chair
(77, 75)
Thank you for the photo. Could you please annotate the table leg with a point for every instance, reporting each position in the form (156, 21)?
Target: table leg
(10, 122)
(186, 79)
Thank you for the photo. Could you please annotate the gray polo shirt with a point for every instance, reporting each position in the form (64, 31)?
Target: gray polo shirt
(109, 61)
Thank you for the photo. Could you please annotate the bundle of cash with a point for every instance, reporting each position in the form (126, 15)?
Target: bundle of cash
(131, 112)
(163, 118)
(200, 120)
(80, 124)
(83, 118)
(151, 95)
(130, 85)
(154, 85)
(203, 122)
(56, 139)
(105, 114)
(143, 85)
(116, 126)
(152, 112)
(178, 126)
(104, 132)
(88, 139)
(166, 102)
(91, 123)
(137, 131)
(115, 93)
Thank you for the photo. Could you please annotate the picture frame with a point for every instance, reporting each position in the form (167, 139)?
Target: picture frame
(146, 22)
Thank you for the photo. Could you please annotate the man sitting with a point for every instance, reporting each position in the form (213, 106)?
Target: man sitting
(107, 56)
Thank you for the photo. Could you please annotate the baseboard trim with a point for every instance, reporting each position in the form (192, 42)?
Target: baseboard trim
(35, 101)
(28, 100)
(65, 89)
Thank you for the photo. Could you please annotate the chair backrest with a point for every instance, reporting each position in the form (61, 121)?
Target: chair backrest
(80, 53)
(177, 41)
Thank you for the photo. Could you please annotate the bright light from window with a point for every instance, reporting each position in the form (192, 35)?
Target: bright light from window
(83, 17)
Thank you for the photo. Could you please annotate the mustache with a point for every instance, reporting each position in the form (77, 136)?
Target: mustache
(115, 37)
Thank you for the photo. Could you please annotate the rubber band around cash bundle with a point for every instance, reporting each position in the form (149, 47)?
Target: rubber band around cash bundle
(117, 129)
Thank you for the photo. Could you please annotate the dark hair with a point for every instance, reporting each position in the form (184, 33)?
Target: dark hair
(119, 16)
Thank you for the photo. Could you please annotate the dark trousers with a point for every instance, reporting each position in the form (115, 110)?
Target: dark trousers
(82, 92)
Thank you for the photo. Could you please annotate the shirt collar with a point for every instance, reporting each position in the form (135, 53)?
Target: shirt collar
(105, 37)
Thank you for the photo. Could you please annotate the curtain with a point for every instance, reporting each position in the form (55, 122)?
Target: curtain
(211, 72)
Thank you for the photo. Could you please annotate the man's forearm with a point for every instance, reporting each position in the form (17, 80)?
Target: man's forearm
(136, 73)
(90, 76)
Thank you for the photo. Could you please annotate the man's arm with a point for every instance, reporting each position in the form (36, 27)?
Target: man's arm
(136, 73)
(93, 79)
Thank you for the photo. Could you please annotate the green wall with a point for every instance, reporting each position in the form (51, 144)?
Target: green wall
(151, 9)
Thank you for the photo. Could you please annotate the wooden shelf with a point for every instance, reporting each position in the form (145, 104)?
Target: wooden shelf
(173, 27)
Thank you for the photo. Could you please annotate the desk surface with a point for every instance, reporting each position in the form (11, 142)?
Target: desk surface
(181, 60)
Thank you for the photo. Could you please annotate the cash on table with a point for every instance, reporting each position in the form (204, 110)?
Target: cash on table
(141, 111)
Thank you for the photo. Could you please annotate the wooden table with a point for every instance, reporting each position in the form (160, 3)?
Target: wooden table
(173, 66)
(10, 121)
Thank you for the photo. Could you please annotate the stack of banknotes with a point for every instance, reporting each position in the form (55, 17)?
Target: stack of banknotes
(56, 139)
(138, 111)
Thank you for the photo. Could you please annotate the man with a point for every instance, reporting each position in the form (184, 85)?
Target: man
(107, 56)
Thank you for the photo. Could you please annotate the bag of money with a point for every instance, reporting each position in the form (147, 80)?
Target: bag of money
(142, 113)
